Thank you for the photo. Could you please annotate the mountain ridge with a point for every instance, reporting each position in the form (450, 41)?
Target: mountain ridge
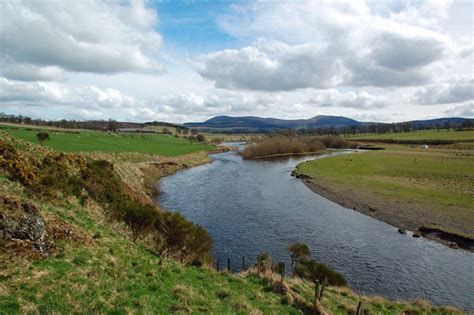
(255, 123)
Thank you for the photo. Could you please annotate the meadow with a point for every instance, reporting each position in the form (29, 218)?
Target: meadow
(407, 186)
(451, 135)
(91, 141)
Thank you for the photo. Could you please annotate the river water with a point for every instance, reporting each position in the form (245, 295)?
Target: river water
(253, 206)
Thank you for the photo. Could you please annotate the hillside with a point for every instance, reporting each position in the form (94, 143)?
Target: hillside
(258, 124)
(74, 246)
(250, 123)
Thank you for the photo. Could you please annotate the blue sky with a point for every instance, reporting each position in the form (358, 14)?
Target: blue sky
(191, 26)
(182, 61)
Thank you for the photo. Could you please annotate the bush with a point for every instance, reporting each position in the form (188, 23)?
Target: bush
(183, 239)
(282, 145)
(314, 271)
(200, 138)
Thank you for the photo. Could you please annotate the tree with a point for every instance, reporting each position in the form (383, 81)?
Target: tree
(112, 125)
(42, 136)
(166, 131)
(194, 132)
(297, 251)
(200, 138)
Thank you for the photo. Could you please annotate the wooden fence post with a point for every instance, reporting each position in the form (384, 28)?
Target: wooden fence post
(217, 265)
(243, 263)
(358, 308)
(228, 264)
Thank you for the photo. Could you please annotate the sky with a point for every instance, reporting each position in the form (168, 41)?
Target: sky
(183, 61)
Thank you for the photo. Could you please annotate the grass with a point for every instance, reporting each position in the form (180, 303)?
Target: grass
(101, 269)
(436, 180)
(114, 275)
(451, 135)
(91, 141)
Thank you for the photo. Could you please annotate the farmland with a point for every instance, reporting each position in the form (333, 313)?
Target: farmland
(456, 136)
(91, 141)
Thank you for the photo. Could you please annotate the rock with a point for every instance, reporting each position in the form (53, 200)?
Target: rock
(22, 221)
(454, 245)
(402, 231)
(416, 235)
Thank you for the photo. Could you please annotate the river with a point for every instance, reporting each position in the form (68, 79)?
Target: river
(253, 206)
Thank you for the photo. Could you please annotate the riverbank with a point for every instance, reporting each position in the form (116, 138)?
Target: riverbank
(427, 191)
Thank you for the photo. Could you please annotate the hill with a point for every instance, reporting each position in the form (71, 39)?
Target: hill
(259, 124)
(251, 123)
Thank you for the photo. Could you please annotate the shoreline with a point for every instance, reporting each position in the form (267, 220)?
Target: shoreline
(393, 213)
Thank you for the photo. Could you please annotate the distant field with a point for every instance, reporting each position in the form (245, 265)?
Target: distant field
(410, 187)
(90, 141)
(422, 135)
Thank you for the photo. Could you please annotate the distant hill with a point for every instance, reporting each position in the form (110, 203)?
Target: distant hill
(251, 123)
(259, 124)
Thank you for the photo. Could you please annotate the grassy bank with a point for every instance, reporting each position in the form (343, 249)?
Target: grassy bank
(406, 186)
(95, 263)
(90, 141)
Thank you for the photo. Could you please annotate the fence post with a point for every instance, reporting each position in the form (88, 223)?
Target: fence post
(217, 265)
(358, 308)
(228, 264)
(323, 286)
(243, 263)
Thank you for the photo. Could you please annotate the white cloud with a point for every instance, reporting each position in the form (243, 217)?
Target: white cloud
(325, 44)
(464, 110)
(352, 99)
(445, 93)
(41, 38)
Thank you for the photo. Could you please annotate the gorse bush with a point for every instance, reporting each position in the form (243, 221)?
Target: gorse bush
(14, 166)
(73, 176)
(183, 239)
(279, 145)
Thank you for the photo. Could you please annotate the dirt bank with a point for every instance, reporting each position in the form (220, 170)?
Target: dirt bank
(404, 215)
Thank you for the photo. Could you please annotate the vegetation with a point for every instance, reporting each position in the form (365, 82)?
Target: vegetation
(407, 186)
(288, 145)
(89, 141)
(42, 136)
(422, 135)
(297, 252)
(98, 263)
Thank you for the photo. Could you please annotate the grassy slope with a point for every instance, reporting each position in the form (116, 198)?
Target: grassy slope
(422, 135)
(438, 179)
(89, 141)
(115, 275)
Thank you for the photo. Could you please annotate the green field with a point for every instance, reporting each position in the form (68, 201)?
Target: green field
(422, 186)
(90, 141)
(451, 135)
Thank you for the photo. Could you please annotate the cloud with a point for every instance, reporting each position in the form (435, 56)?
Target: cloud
(271, 66)
(352, 99)
(464, 110)
(40, 39)
(323, 45)
(450, 92)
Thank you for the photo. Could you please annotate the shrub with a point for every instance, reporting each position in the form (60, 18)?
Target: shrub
(312, 270)
(200, 138)
(183, 239)
(16, 167)
(42, 136)
(297, 251)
